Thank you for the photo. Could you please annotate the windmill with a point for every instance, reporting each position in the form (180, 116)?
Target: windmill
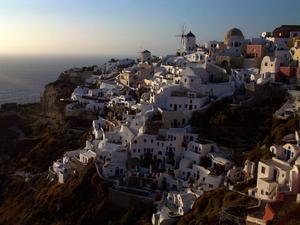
(182, 35)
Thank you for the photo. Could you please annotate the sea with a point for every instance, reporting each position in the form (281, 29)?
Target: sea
(23, 77)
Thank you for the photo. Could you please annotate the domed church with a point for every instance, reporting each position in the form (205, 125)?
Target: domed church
(234, 38)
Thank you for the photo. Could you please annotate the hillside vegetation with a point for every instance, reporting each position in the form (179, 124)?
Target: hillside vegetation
(207, 208)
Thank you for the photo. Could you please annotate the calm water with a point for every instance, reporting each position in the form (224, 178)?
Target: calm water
(22, 78)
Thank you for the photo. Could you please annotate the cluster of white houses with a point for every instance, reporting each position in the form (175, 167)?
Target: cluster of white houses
(278, 174)
(151, 146)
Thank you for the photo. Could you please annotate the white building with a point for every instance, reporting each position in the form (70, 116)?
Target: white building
(112, 157)
(145, 56)
(269, 67)
(79, 92)
(60, 170)
(185, 202)
(200, 57)
(213, 46)
(87, 156)
(189, 42)
(279, 174)
(122, 101)
(179, 98)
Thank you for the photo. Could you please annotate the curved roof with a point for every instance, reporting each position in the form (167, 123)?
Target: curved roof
(234, 32)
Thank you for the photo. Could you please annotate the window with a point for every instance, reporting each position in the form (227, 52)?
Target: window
(134, 150)
(210, 185)
(262, 191)
(139, 150)
(135, 142)
(145, 140)
(151, 140)
(266, 64)
(263, 169)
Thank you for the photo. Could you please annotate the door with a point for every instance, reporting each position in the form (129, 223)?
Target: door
(288, 155)
(117, 171)
(275, 175)
(175, 124)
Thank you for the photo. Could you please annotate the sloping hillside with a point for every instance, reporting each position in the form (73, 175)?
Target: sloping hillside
(207, 208)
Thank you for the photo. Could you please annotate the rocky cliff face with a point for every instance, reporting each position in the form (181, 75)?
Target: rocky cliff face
(61, 88)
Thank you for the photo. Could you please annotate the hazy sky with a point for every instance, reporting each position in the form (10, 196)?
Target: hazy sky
(127, 26)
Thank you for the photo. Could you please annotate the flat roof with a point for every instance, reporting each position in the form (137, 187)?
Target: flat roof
(88, 154)
(277, 163)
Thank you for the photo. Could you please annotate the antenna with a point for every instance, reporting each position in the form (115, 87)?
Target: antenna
(182, 35)
(141, 49)
(183, 29)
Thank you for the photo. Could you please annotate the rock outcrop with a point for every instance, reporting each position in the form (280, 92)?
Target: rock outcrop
(62, 88)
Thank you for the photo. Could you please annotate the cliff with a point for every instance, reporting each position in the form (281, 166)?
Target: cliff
(30, 141)
(80, 201)
(62, 88)
(208, 208)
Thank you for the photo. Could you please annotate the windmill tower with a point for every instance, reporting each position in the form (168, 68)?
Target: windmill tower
(188, 41)
(145, 56)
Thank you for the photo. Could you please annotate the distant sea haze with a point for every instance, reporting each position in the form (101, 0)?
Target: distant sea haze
(23, 77)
